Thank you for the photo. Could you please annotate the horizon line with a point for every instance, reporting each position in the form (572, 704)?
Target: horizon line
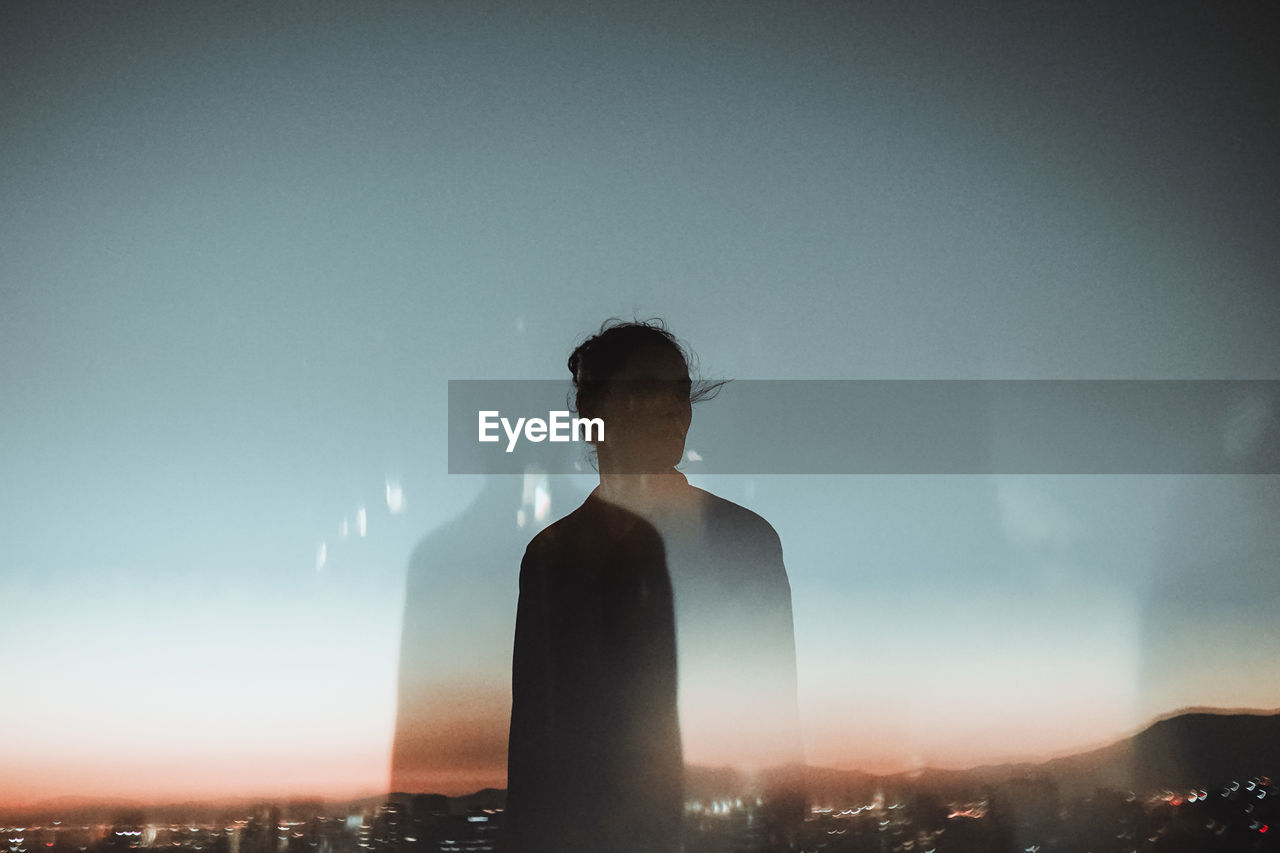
(88, 801)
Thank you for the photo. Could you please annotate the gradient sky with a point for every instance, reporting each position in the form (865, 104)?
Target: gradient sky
(243, 248)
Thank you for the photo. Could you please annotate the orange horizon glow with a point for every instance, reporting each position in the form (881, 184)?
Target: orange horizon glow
(156, 779)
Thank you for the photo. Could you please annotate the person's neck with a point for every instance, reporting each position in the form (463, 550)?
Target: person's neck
(644, 494)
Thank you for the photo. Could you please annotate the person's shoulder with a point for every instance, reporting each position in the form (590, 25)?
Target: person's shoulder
(556, 533)
(725, 516)
(565, 533)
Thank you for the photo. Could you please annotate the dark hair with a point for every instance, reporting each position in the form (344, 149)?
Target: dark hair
(597, 359)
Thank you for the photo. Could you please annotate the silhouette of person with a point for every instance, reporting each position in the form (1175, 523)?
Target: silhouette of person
(454, 687)
(648, 572)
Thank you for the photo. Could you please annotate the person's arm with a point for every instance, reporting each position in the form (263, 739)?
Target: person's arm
(529, 762)
(785, 788)
(776, 651)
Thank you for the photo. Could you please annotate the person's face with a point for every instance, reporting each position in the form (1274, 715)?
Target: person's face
(646, 412)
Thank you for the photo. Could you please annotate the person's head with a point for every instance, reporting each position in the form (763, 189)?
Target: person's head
(635, 376)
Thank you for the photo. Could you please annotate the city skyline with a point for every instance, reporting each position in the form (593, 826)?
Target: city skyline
(1194, 777)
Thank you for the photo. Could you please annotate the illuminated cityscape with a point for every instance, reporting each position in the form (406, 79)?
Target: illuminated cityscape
(1023, 815)
(1055, 807)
